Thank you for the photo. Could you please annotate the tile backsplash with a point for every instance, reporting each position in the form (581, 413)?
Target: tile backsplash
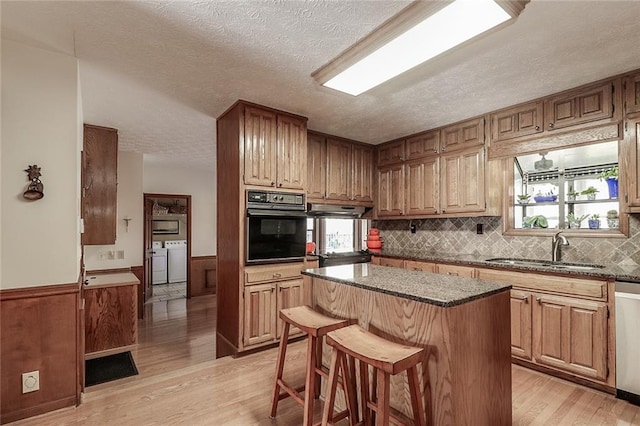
(458, 236)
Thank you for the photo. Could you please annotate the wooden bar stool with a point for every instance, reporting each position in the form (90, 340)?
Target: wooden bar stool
(387, 359)
(315, 325)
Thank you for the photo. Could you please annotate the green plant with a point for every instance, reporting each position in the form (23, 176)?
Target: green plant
(524, 197)
(589, 190)
(611, 173)
(573, 193)
(537, 221)
(595, 216)
(576, 219)
(612, 214)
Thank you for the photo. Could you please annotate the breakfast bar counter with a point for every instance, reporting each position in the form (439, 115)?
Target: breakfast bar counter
(463, 324)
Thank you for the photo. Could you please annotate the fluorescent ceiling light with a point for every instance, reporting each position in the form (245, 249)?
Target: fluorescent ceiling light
(450, 26)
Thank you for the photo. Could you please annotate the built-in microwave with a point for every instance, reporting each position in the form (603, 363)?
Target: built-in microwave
(276, 227)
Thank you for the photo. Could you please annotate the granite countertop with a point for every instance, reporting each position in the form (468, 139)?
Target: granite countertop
(616, 272)
(436, 289)
(111, 280)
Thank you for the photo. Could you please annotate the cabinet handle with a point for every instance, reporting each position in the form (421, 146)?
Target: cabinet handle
(539, 300)
(444, 211)
(538, 128)
(525, 299)
(273, 184)
(277, 275)
(551, 125)
(453, 274)
(443, 148)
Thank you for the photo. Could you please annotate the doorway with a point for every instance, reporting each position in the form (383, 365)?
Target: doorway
(167, 248)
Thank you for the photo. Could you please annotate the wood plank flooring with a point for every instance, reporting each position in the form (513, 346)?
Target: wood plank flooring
(180, 383)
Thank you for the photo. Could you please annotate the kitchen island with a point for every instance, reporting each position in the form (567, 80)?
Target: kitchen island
(463, 324)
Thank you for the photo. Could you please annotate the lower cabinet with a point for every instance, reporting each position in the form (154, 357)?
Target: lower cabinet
(456, 270)
(521, 324)
(267, 290)
(417, 265)
(571, 335)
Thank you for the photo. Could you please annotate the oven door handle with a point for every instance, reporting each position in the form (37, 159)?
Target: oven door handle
(275, 213)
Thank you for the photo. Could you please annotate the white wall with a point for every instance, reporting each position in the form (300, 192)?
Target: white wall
(201, 185)
(40, 111)
(130, 205)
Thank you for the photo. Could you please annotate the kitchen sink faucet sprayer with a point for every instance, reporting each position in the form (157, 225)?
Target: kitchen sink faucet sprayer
(556, 242)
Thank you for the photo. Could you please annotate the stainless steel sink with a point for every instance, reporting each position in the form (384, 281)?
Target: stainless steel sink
(545, 264)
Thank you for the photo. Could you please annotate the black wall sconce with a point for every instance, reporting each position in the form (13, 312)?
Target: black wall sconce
(35, 191)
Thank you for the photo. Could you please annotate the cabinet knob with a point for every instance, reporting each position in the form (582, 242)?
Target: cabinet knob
(280, 184)
(538, 128)
(539, 300)
(273, 184)
(443, 149)
(444, 211)
(435, 211)
(435, 151)
(551, 125)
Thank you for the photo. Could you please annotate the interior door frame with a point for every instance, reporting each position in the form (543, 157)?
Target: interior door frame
(153, 196)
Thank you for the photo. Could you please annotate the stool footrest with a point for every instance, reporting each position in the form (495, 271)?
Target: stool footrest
(289, 391)
(395, 416)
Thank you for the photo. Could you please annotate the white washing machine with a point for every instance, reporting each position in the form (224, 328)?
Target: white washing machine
(176, 260)
(158, 264)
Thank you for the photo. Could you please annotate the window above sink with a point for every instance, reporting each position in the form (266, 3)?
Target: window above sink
(566, 189)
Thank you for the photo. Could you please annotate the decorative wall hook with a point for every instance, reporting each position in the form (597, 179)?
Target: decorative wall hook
(35, 191)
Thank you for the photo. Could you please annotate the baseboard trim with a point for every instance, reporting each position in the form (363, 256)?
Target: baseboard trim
(39, 409)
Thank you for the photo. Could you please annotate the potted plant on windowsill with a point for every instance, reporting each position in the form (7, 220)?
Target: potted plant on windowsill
(571, 195)
(611, 177)
(575, 221)
(537, 221)
(524, 198)
(594, 221)
(613, 219)
(590, 192)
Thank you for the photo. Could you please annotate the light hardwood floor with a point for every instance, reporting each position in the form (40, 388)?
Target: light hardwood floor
(180, 383)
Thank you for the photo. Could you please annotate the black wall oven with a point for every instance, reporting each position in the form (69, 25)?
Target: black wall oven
(276, 227)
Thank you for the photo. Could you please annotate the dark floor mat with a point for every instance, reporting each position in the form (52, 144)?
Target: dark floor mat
(108, 368)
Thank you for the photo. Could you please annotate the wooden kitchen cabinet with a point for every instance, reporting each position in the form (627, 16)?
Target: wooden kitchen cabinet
(462, 135)
(632, 161)
(394, 263)
(290, 294)
(390, 153)
(571, 335)
(422, 145)
(316, 166)
(632, 93)
(422, 185)
(99, 185)
(361, 188)
(462, 175)
(338, 167)
(259, 313)
(521, 324)
(391, 182)
(275, 149)
(522, 120)
(579, 106)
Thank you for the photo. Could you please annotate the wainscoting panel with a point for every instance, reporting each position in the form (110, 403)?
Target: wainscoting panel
(39, 331)
(203, 275)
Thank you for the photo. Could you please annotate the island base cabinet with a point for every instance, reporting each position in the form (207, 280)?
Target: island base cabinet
(571, 335)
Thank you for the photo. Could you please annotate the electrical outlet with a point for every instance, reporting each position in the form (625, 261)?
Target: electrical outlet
(479, 229)
(31, 381)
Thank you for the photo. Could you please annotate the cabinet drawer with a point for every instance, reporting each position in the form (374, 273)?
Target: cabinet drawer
(419, 266)
(456, 270)
(257, 274)
(562, 285)
(395, 263)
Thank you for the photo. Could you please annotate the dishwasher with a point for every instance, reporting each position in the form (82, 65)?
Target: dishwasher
(628, 341)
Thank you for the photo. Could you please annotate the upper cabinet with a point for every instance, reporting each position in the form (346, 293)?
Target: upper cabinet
(632, 161)
(515, 122)
(422, 145)
(462, 181)
(99, 185)
(339, 170)
(275, 149)
(462, 135)
(632, 93)
(392, 152)
(579, 106)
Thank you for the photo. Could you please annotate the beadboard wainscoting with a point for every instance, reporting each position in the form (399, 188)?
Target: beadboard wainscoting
(458, 235)
(39, 331)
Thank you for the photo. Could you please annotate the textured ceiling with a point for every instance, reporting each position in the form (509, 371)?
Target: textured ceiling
(161, 72)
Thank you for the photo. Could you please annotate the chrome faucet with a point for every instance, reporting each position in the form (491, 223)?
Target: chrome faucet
(556, 242)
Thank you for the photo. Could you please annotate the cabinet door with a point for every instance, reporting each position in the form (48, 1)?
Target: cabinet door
(394, 263)
(291, 152)
(462, 135)
(462, 181)
(578, 107)
(415, 265)
(338, 169)
(260, 136)
(316, 166)
(519, 121)
(521, 324)
(362, 173)
(422, 145)
(423, 182)
(99, 185)
(456, 270)
(632, 93)
(391, 190)
(111, 317)
(259, 313)
(632, 136)
(571, 334)
(390, 153)
(290, 295)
